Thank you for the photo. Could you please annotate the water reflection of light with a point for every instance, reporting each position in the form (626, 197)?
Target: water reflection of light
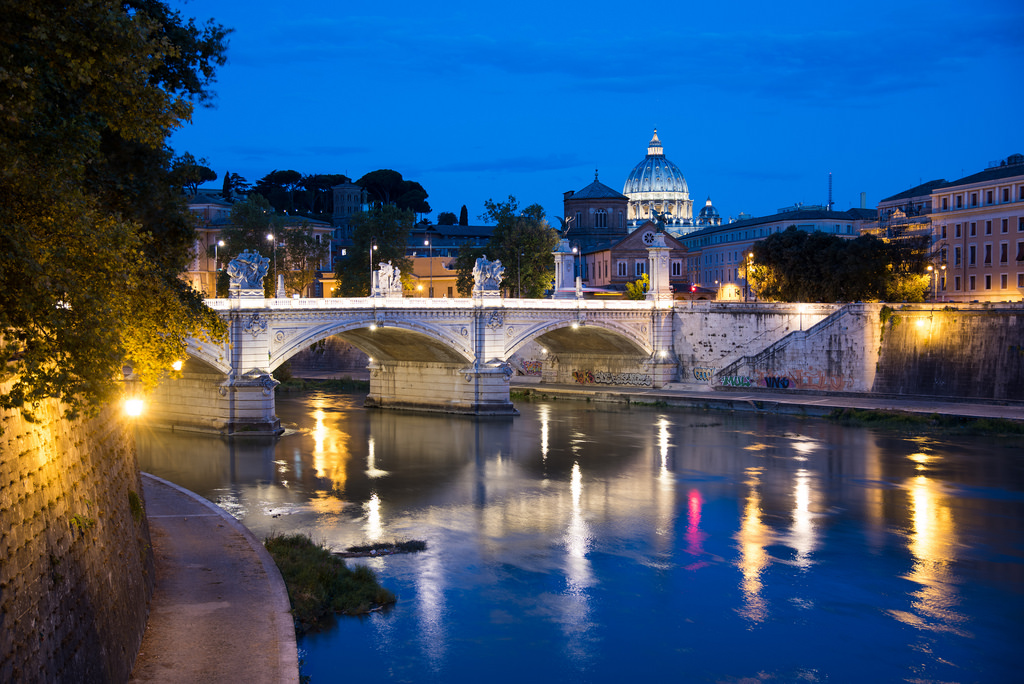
(371, 462)
(802, 531)
(804, 446)
(694, 537)
(374, 528)
(576, 622)
(319, 432)
(430, 602)
(921, 459)
(933, 544)
(577, 537)
(753, 537)
(544, 412)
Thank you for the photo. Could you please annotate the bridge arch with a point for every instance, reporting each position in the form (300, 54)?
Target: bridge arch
(572, 336)
(384, 340)
(209, 355)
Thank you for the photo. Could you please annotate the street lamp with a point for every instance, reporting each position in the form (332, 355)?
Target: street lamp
(216, 256)
(519, 269)
(270, 236)
(430, 261)
(373, 246)
(943, 267)
(746, 277)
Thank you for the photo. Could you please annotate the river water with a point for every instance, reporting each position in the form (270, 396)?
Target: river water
(598, 543)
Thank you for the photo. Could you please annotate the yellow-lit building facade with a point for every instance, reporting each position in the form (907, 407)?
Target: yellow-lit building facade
(978, 235)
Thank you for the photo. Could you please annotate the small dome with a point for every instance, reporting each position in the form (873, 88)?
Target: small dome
(656, 173)
(708, 211)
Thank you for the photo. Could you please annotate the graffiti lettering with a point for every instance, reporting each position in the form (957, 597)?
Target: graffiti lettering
(622, 378)
(583, 377)
(805, 378)
(533, 367)
(737, 381)
(601, 377)
(703, 374)
(1017, 348)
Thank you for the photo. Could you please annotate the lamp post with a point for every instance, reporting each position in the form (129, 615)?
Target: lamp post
(943, 267)
(270, 236)
(216, 264)
(430, 261)
(931, 277)
(519, 269)
(746, 276)
(373, 246)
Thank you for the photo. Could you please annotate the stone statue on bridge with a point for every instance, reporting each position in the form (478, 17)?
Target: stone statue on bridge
(247, 270)
(487, 275)
(388, 280)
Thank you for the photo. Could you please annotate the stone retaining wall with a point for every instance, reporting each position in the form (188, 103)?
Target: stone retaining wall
(76, 566)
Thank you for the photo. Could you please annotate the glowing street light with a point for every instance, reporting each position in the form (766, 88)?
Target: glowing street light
(373, 246)
(430, 260)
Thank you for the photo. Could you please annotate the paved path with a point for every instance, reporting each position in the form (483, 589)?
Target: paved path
(220, 609)
(680, 394)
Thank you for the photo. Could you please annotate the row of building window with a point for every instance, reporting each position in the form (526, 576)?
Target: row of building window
(1004, 227)
(990, 198)
(972, 282)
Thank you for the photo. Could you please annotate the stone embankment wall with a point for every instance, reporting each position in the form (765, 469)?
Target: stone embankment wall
(963, 351)
(76, 566)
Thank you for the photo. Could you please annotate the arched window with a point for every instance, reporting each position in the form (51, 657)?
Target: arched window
(600, 219)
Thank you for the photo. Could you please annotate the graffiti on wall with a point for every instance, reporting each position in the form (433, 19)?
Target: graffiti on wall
(605, 378)
(737, 381)
(703, 374)
(533, 367)
(804, 378)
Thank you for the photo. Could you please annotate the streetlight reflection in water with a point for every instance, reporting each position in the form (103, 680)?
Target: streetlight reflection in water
(727, 546)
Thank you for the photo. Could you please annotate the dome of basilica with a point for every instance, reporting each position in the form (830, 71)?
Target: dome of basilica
(657, 189)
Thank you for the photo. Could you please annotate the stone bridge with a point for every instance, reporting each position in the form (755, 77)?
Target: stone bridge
(448, 355)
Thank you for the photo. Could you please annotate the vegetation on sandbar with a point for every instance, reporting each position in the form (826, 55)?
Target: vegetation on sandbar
(901, 420)
(321, 584)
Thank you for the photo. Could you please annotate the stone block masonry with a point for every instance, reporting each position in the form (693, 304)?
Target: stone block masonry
(76, 566)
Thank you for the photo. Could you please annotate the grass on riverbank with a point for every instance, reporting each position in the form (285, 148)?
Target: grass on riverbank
(321, 584)
(953, 425)
(332, 385)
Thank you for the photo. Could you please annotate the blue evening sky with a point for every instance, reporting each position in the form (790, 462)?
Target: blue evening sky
(756, 102)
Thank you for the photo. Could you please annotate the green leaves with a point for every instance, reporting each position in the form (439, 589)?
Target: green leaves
(93, 233)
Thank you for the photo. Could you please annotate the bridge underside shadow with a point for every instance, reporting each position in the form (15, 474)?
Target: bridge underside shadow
(413, 371)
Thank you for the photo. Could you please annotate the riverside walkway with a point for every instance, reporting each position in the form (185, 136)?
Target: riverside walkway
(220, 610)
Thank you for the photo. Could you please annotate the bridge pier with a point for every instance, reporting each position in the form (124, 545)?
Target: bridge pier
(443, 387)
(210, 402)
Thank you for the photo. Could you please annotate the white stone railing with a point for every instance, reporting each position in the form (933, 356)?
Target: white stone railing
(407, 303)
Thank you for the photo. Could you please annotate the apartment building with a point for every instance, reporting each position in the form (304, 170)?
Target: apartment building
(978, 235)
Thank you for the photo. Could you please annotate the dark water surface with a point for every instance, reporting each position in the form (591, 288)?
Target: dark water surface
(590, 543)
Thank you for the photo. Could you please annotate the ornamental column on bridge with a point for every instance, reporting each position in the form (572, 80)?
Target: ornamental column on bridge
(659, 291)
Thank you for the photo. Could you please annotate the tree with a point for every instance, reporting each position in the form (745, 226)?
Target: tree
(320, 187)
(387, 228)
(795, 265)
(279, 188)
(464, 263)
(233, 183)
(93, 230)
(252, 221)
(637, 290)
(188, 174)
(464, 216)
(524, 243)
(446, 218)
(385, 186)
(302, 256)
